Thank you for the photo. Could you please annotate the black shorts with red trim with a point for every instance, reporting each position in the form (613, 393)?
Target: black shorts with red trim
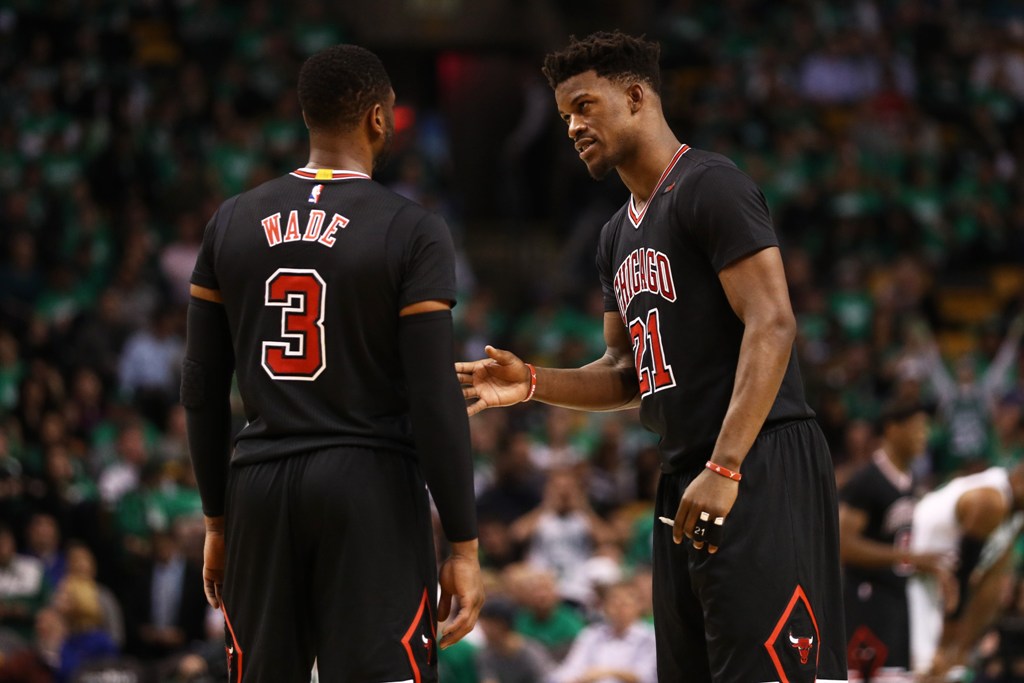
(330, 555)
(768, 606)
(877, 625)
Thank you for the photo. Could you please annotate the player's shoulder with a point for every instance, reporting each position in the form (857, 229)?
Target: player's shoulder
(866, 478)
(697, 163)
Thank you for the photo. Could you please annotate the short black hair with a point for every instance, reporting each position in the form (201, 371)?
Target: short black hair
(337, 85)
(899, 410)
(613, 55)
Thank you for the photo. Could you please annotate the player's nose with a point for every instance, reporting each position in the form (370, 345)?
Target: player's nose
(576, 126)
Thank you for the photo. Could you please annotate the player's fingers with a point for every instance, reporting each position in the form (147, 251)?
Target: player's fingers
(444, 605)
(679, 529)
(212, 593)
(474, 408)
(469, 392)
(467, 367)
(715, 534)
(460, 626)
(502, 356)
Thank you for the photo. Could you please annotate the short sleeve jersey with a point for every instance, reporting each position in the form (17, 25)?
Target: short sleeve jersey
(313, 268)
(659, 270)
(887, 499)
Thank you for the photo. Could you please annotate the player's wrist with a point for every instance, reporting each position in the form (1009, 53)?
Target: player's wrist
(531, 381)
(214, 525)
(723, 470)
(466, 549)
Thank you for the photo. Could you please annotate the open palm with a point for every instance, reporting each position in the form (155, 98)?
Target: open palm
(501, 379)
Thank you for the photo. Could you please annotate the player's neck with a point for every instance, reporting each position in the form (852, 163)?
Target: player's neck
(901, 461)
(339, 153)
(653, 155)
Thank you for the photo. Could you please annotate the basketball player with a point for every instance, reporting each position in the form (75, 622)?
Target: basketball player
(330, 297)
(876, 508)
(699, 334)
(974, 520)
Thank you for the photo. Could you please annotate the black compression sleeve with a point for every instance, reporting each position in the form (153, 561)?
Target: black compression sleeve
(439, 420)
(205, 394)
(970, 555)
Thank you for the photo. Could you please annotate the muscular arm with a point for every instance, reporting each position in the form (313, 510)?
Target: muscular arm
(756, 289)
(978, 512)
(982, 606)
(608, 383)
(856, 550)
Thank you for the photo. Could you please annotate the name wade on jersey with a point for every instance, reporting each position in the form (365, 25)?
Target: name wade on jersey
(314, 232)
(643, 270)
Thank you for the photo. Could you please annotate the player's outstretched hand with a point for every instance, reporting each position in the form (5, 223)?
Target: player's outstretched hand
(213, 560)
(460, 578)
(501, 379)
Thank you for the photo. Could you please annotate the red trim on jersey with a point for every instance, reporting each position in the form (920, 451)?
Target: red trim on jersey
(636, 216)
(234, 639)
(312, 174)
(412, 629)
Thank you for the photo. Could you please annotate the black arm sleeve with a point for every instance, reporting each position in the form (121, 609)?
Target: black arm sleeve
(970, 554)
(205, 394)
(439, 420)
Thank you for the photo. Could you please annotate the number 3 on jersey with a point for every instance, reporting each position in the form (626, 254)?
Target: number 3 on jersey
(646, 336)
(299, 293)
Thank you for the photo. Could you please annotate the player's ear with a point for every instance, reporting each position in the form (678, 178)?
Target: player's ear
(376, 119)
(635, 96)
(305, 120)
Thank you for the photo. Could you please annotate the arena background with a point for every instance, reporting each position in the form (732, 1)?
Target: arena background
(886, 136)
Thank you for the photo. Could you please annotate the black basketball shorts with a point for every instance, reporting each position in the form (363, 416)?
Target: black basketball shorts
(768, 606)
(330, 555)
(878, 627)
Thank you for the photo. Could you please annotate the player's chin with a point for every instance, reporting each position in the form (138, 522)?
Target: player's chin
(598, 169)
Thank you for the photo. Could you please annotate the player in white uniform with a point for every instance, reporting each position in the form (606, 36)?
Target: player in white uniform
(974, 519)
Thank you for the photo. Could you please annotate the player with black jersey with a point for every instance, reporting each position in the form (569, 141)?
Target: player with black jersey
(876, 509)
(699, 334)
(330, 297)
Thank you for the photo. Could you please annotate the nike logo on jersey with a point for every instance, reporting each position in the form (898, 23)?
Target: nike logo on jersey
(314, 231)
(644, 270)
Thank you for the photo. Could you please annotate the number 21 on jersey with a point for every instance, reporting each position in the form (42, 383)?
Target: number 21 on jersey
(652, 370)
(300, 294)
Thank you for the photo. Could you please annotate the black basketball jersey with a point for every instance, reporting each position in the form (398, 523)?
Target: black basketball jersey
(886, 496)
(659, 270)
(313, 268)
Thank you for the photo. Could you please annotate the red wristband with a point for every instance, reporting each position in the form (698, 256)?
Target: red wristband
(533, 382)
(724, 471)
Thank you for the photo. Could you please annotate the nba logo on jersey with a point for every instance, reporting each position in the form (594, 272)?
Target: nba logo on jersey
(314, 194)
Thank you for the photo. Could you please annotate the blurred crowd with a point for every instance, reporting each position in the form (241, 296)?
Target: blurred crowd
(887, 137)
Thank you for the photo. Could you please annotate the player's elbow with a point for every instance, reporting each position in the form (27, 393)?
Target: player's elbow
(776, 327)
